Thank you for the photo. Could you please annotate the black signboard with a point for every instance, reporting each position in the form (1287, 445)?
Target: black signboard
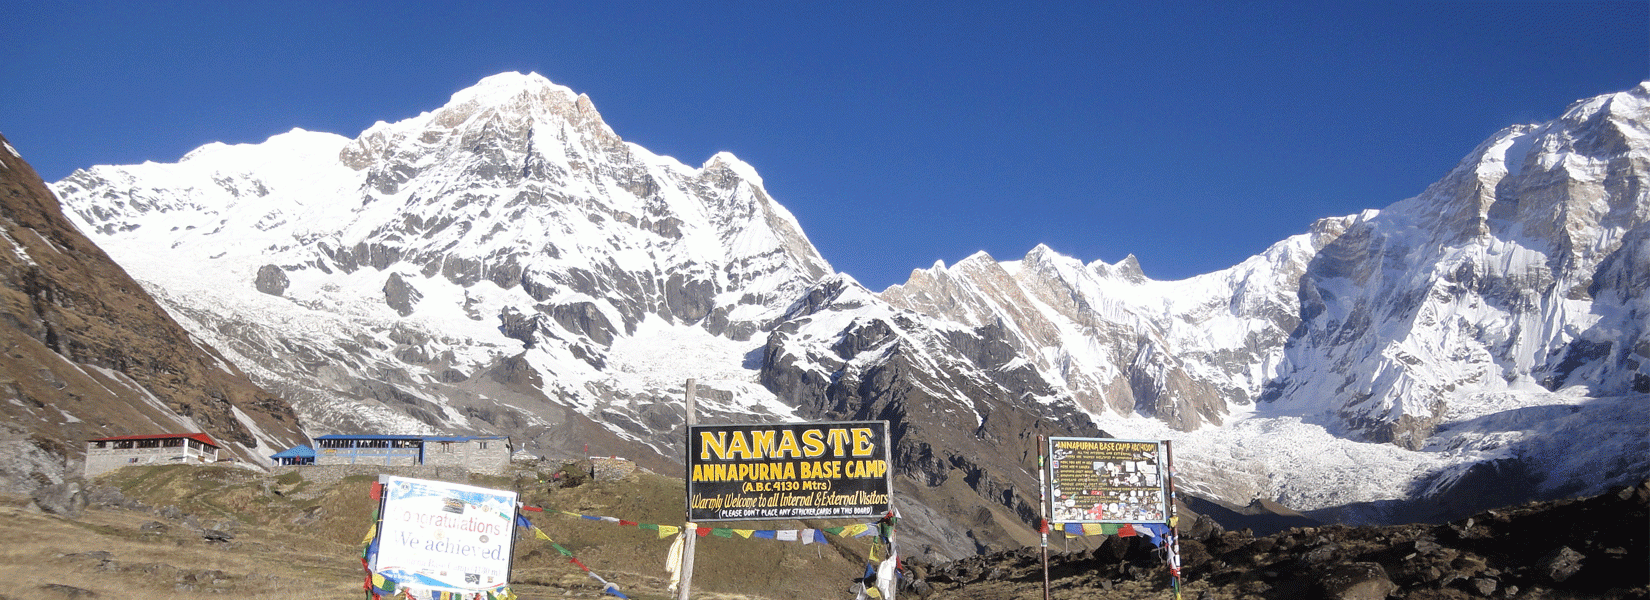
(1096, 480)
(788, 471)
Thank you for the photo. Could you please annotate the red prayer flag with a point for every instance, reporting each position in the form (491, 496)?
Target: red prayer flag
(377, 491)
(580, 564)
(630, 523)
(532, 508)
(702, 531)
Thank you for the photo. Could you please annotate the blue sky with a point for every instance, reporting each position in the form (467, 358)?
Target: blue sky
(1190, 134)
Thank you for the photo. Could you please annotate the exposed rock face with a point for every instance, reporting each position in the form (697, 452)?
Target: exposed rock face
(271, 280)
(400, 295)
(1495, 277)
(888, 365)
(89, 354)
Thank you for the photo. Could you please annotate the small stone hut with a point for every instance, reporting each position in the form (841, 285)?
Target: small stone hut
(110, 453)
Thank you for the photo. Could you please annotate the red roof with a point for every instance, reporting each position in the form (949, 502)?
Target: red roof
(199, 437)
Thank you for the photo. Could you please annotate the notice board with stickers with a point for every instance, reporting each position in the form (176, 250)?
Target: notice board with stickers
(1098, 480)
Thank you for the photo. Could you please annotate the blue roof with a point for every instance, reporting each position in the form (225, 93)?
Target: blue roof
(299, 451)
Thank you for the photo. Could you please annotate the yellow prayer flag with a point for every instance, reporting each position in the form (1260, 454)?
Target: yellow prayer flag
(1174, 521)
(1093, 529)
(668, 530)
(371, 532)
(745, 533)
(854, 530)
(539, 533)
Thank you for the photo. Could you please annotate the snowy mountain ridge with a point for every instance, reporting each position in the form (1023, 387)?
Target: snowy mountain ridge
(451, 210)
(506, 263)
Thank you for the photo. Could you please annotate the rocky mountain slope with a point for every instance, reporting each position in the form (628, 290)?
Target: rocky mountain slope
(1588, 548)
(506, 263)
(89, 354)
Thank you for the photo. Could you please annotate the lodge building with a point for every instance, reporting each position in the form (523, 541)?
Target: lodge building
(110, 453)
(482, 454)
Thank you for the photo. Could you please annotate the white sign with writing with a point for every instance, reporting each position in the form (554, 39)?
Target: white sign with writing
(444, 536)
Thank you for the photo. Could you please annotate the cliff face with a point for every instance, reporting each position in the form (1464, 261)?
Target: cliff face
(87, 353)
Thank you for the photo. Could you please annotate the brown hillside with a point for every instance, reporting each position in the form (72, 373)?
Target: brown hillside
(85, 352)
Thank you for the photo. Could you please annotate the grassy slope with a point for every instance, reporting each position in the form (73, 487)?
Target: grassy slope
(296, 536)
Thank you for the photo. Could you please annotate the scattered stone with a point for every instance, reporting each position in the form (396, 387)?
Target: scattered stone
(64, 499)
(214, 535)
(103, 495)
(1426, 547)
(1356, 581)
(1484, 586)
(1322, 554)
(67, 591)
(153, 527)
(1559, 564)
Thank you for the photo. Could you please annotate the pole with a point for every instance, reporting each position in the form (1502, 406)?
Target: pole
(690, 542)
(1042, 508)
(893, 548)
(1174, 524)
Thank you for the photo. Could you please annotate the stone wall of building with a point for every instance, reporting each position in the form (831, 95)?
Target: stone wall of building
(480, 456)
(103, 460)
(367, 456)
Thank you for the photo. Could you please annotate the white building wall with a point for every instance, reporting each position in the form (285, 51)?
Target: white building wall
(109, 458)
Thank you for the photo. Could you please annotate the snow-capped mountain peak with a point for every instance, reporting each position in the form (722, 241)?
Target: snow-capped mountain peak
(510, 228)
(507, 263)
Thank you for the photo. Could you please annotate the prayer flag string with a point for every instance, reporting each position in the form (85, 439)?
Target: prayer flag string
(806, 536)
